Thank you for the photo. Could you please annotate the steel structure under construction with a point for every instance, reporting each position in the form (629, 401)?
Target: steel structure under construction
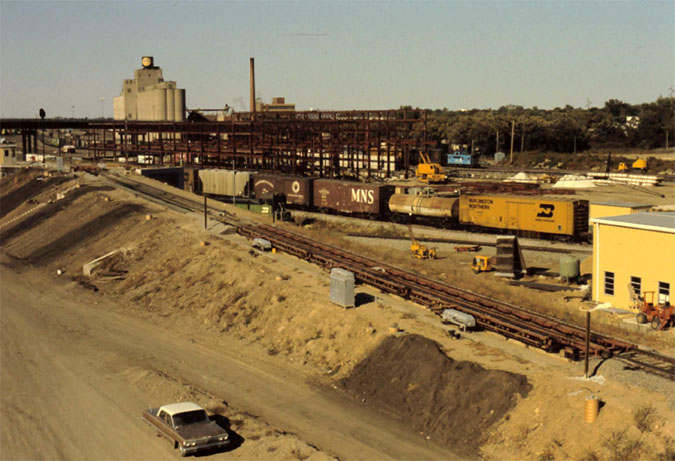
(359, 144)
(324, 144)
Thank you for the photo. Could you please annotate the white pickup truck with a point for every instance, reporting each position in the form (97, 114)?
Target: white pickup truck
(188, 427)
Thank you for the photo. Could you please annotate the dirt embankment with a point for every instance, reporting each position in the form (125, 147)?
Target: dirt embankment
(454, 402)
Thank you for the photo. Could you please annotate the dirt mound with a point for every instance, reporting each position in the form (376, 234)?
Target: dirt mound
(452, 402)
(23, 187)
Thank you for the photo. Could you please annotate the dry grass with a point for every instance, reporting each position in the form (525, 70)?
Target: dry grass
(623, 447)
(644, 416)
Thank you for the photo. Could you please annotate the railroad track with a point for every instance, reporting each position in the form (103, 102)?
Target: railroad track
(547, 249)
(649, 362)
(527, 326)
(514, 322)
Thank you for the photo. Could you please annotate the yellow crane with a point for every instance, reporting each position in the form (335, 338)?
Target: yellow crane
(429, 172)
(418, 250)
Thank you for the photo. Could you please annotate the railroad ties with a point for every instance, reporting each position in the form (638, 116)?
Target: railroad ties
(527, 326)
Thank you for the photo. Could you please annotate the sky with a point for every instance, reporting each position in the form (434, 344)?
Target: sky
(338, 55)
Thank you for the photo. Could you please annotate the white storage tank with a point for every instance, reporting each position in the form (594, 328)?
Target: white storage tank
(179, 105)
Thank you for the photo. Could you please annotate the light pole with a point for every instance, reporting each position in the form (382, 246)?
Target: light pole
(102, 106)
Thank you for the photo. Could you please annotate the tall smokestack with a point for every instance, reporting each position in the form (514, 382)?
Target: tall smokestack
(252, 87)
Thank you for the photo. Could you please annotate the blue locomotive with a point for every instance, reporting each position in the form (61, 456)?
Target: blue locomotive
(462, 158)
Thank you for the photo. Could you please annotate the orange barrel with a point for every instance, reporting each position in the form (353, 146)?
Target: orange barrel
(592, 408)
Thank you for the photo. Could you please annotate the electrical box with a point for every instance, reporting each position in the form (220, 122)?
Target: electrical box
(342, 287)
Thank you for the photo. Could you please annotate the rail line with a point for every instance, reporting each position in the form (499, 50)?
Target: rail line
(546, 249)
(514, 322)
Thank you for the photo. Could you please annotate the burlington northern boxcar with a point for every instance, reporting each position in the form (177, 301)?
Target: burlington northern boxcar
(559, 217)
(351, 197)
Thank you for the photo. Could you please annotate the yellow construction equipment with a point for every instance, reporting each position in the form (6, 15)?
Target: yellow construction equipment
(482, 264)
(638, 165)
(418, 250)
(429, 172)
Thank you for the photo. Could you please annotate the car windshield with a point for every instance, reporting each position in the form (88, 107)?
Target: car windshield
(190, 417)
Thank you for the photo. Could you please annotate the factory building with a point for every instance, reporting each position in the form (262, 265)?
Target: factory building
(148, 97)
(277, 105)
(633, 254)
(8, 150)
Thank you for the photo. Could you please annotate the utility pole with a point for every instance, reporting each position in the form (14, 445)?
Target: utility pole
(513, 129)
(497, 141)
(522, 138)
(575, 144)
(205, 212)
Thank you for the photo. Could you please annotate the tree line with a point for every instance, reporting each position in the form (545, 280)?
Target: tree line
(568, 129)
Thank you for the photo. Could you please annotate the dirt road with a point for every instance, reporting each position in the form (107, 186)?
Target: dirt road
(73, 364)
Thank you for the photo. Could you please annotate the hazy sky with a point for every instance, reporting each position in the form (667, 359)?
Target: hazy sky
(338, 54)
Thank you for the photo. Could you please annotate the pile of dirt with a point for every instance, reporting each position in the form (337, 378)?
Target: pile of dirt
(454, 403)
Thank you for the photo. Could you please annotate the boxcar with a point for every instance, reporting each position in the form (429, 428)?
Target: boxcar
(352, 197)
(296, 189)
(528, 216)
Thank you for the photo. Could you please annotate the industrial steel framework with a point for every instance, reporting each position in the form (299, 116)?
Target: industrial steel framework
(360, 144)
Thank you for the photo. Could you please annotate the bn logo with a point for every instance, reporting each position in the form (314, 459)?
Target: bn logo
(545, 210)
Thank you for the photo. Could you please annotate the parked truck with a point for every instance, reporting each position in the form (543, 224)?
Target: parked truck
(187, 426)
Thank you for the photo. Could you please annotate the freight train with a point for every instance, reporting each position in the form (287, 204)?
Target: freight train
(555, 217)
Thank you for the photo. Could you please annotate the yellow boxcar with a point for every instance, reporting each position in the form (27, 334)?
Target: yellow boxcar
(528, 216)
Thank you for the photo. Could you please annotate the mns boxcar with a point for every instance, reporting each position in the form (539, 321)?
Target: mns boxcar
(351, 197)
(542, 216)
(296, 189)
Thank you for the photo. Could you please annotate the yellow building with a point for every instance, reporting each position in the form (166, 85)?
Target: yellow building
(635, 250)
(604, 209)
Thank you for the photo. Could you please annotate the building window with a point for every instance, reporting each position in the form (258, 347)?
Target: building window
(609, 283)
(6, 153)
(664, 292)
(636, 283)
